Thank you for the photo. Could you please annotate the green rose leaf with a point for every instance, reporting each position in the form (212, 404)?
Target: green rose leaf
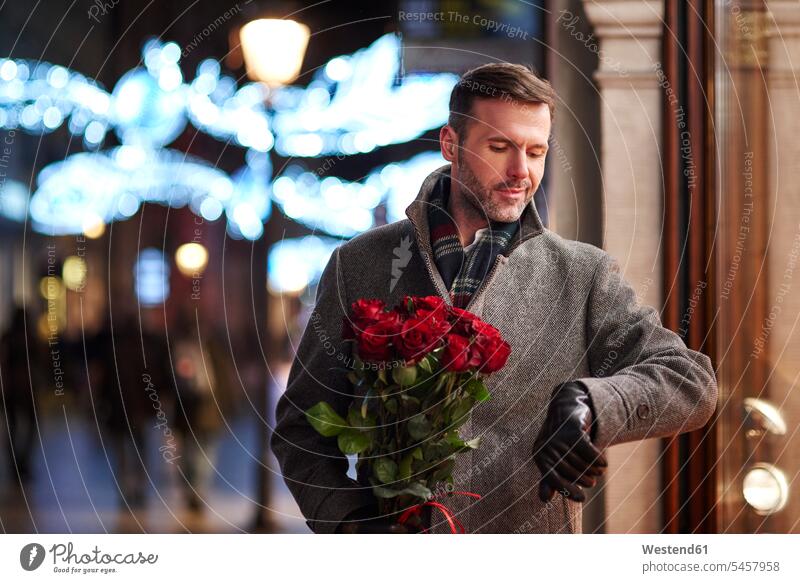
(352, 441)
(385, 470)
(404, 375)
(365, 402)
(459, 413)
(415, 489)
(477, 390)
(446, 449)
(454, 439)
(436, 450)
(444, 470)
(426, 364)
(422, 388)
(391, 406)
(382, 492)
(412, 404)
(404, 468)
(325, 420)
(419, 490)
(356, 418)
(419, 427)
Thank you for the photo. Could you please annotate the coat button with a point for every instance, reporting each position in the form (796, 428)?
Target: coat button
(643, 411)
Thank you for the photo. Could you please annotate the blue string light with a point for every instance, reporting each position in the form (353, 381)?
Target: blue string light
(354, 104)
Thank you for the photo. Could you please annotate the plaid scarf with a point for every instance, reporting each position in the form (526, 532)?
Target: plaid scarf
(463, 272)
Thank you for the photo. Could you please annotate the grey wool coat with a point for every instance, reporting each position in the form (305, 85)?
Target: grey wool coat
(567, 314)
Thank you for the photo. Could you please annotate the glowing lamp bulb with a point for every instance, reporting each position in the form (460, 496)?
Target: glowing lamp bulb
(191, 259)
(273, 49)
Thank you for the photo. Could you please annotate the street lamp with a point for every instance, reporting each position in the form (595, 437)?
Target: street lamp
(273, 50)
(191, 259)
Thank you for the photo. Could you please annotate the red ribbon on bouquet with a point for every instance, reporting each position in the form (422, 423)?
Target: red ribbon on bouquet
(455, 524)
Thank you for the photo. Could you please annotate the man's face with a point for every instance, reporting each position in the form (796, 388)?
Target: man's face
(500, 161)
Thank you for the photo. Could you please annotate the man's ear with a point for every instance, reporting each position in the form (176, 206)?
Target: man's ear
(448, 143)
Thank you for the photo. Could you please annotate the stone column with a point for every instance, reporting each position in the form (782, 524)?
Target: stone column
(574, 158)
(628, 37)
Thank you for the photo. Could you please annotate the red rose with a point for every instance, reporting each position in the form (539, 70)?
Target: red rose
(414, 305)
(457, 356)
(432, 305)
(394, 317)
(419, 336)
(462, 320)
(406, 305)
(434, 315)
(481, 328)
(376, 340)
(491, 351)
(362, 314)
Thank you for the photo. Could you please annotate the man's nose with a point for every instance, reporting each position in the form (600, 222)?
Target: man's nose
(517, 168)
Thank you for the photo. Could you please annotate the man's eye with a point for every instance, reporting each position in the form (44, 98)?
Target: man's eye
(535, 154)
(497, 149)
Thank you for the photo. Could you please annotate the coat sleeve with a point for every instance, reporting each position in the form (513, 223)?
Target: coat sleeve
(313, 468)
(645, 382)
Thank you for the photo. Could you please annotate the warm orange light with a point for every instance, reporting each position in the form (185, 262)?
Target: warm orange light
(191, 259)
(273, 49)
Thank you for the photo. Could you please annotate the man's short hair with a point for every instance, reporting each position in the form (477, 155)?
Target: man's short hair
(506, 81)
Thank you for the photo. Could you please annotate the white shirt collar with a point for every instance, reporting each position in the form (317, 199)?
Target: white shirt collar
(478, 234)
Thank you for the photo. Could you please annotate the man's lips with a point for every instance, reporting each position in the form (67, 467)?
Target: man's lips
(512, 192)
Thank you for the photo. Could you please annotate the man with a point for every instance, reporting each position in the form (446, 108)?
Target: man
(589, 366)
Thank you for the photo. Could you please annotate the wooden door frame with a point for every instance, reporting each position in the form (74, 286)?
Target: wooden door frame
(689, 468)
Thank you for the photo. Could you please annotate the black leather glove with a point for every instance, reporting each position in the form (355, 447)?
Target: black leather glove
(363, 521)
(563, 451)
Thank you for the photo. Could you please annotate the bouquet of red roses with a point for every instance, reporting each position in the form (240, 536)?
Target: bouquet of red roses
(417, 371)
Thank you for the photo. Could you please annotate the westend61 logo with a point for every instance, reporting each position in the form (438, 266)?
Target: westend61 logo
(65, 560)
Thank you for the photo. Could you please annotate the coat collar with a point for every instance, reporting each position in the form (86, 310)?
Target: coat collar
(530, 223)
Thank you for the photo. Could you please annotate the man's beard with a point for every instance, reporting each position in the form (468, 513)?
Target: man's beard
(477, 196)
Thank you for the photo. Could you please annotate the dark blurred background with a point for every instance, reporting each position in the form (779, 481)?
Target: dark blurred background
(167, 208)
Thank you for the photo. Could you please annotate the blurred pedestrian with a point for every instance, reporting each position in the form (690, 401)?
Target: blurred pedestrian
(18, 395)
